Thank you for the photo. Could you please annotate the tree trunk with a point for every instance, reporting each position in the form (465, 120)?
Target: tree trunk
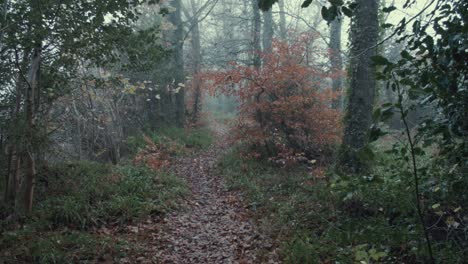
(283, 30)
(3, 17)
(196, 63)
(364, 37)
(336, 61)
(14, 159)
(12, 175)
(29, 155)
(267, 31)
(177, 39)
(256, 35)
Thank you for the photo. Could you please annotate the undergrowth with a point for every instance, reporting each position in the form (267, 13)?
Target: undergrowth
(342, 219)
(180, 139)
(79, 197)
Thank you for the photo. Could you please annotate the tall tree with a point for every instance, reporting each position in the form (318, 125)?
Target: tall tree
(43, 44)
(31, 108)
(267, 36)
(196, 61)
(358, 117)
(335, 59)
(177, 69)
(282, 23)
(256, 34)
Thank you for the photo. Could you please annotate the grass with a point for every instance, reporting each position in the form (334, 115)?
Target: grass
(57, 247)
(75, 199)
(80, 197)
(183, 139)
(360, 219)
(89, 194)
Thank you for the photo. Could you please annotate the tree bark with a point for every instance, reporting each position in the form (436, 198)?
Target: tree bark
(29, 155)
(364, 37)
(177, 39)
(3, 18)
(336, 61)
(12, 175)
(256, 35)
(282, 23)
(14, 157)
(196, 63)
(267, 31)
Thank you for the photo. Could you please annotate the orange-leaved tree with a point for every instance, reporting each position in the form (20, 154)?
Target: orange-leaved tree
(285, 106)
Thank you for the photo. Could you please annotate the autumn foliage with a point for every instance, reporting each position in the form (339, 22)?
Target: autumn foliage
(154, 155)
(285, 105)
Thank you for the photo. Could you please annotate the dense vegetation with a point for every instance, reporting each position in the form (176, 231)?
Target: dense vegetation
(112, 114)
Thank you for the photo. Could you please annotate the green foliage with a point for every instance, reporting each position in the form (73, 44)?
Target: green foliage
(431, 73)
(83, 196)
(336, 9)
(196, 137)
(26, 245)
(91, 194)
(368, 218)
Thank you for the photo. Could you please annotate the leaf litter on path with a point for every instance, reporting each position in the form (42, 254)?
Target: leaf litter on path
(214, 226)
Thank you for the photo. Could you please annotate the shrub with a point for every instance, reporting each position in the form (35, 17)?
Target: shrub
(283, 111)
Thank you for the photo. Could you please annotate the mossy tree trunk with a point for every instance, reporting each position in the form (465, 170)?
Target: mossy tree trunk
(358, 117)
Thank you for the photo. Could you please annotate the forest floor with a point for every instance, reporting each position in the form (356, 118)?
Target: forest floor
(214, 226)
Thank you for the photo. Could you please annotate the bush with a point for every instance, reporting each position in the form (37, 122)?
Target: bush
(284, 110)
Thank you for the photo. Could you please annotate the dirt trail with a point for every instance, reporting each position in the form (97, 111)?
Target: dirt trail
(214, 227)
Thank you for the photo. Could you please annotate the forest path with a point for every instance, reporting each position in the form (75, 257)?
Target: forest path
(214, 227)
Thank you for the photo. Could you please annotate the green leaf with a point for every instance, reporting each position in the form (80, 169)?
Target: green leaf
(388, 9)
(387, 25)
(387, 113)
(380, 60)
(306, 3)
(375, 133)
(348, 12)
(405, 54)
(326, 13)
(376, 114)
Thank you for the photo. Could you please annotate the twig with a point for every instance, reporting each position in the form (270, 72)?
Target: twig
(415, 169)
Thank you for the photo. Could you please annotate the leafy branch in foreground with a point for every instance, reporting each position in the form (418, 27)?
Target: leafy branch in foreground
(413, 152)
